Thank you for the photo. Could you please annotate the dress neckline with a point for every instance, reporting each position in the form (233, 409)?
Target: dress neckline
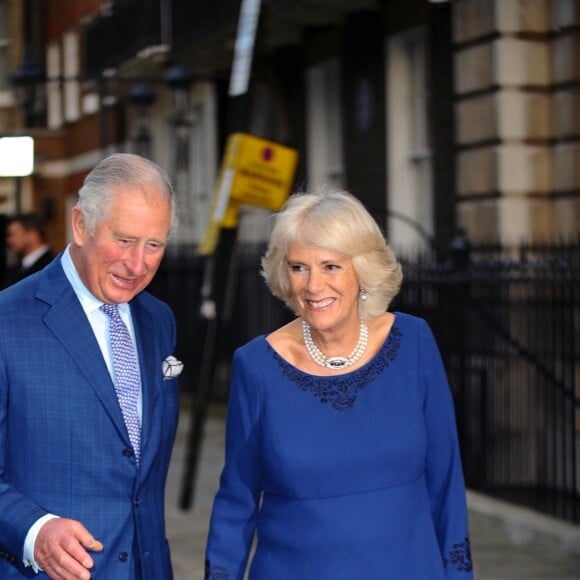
(341, 391)
(393, 336)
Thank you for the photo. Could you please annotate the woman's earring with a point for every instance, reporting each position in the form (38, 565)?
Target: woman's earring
(363, 294)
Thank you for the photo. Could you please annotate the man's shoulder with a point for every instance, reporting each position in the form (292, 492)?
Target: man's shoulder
(19, 289)
(48, 282)
(153, 304)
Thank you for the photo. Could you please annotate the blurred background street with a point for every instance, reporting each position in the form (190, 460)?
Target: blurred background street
(456, 123)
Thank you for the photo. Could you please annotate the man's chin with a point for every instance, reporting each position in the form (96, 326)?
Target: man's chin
(120, 295)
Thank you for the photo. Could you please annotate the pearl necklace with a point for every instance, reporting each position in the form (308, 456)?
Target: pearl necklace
(335, 362)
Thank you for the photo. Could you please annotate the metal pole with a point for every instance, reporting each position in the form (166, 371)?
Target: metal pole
(218, 279)
(198, 414)
(214, 289)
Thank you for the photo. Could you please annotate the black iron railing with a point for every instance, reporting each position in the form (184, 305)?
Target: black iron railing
(508, 326)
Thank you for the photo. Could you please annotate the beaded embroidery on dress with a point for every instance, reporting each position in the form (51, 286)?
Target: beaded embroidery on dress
(215, 572)
(460, 557)
(341, 391)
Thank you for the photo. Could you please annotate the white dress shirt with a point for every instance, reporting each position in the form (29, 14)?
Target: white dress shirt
(99, 322)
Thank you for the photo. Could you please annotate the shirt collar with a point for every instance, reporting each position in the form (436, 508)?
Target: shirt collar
(88, 301)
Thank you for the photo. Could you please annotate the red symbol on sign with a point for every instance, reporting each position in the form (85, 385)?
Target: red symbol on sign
(267, 154)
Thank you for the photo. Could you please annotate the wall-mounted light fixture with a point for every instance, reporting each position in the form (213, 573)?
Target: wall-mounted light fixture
(141, 98)
(179, 79)
(26, 80)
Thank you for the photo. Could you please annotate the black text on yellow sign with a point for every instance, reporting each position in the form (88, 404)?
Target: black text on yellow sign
(254, 171)
(264, 171)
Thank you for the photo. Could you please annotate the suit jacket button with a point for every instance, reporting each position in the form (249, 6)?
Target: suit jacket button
(136, 502)
(127, 452)
(123, 556)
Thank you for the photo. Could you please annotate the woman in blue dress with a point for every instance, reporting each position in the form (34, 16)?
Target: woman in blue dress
(342, 459)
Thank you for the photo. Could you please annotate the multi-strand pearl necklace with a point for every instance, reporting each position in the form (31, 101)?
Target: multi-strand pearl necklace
(335, 362)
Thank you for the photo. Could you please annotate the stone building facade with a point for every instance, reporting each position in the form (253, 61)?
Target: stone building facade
(517, 74)
(438, 115)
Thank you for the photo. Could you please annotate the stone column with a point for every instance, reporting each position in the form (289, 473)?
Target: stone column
(517, 110)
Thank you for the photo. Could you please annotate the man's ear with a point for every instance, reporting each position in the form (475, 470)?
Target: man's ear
(79, 226)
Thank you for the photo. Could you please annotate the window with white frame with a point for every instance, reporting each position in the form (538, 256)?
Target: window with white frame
(204, 158)
(325, 163)
(410, 179)
(71, 72)
(195, 174)
(53, 91)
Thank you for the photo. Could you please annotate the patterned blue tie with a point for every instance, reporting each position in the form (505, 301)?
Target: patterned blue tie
(126, 371)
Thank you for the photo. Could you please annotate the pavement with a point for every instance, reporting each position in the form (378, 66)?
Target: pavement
(508, 542)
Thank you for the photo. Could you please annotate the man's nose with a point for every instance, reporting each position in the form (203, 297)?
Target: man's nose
(135, 260)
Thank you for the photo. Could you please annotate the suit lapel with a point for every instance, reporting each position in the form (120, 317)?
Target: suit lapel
(68, 322)
(144, 325)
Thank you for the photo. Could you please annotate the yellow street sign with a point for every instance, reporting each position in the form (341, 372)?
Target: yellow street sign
(253, 171)
(264, 171)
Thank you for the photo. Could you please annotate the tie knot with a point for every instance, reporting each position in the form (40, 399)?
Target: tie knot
(111, 310)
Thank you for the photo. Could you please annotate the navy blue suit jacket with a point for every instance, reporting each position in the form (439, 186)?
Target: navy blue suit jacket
(64, 448)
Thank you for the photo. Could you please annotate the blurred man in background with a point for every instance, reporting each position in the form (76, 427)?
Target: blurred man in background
(26, 239)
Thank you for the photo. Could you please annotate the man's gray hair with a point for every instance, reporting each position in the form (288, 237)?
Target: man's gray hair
(120, 169)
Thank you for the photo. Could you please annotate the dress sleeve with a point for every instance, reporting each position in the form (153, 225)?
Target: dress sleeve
(235, 507)
(445, 481)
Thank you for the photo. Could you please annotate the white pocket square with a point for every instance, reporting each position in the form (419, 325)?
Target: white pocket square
(171, 367)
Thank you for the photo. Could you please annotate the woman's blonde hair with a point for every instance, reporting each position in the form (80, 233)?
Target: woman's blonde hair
(333, 220)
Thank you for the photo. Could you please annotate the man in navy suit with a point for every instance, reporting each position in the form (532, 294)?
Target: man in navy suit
(26, 238)
(77, 498)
